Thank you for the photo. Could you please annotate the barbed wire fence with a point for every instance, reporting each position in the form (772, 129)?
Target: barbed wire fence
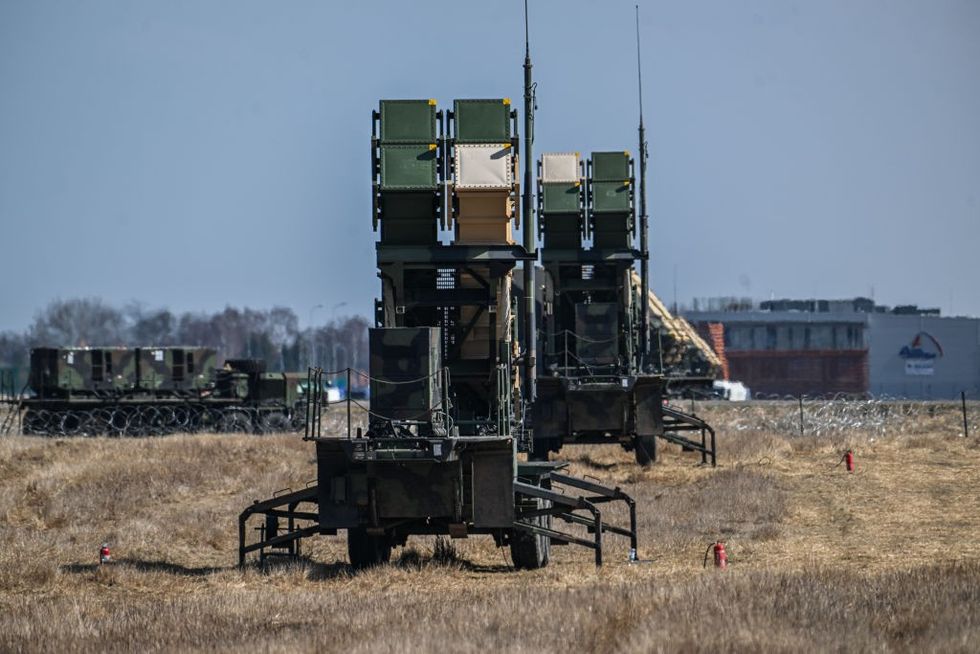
(878, 417)
(790, 416)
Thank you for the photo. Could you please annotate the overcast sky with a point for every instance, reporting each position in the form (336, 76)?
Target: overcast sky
(193, 154)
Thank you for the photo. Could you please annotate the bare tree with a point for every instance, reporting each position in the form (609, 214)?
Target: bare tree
(80, 321)
(272, 335)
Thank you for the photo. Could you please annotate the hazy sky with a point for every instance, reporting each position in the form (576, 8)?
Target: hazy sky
(192, 154)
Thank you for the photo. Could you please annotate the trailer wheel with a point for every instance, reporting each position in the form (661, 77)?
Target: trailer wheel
(542, 448)
(532, 551)
(366, 550)
(645, 449)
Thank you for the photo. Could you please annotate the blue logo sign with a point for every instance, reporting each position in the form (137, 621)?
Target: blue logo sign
(923, 346)
(921, 354)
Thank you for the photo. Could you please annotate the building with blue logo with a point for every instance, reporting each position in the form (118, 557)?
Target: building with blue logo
(826, 347)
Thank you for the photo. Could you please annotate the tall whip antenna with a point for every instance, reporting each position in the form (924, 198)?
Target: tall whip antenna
(530, 330)
(527, 40)
(644, 243)
(639, 68)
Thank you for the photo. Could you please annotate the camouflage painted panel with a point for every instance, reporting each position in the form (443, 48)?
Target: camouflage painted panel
(277, 387)
(119, 368)
(175, 367)
(82, 369)
(294, 387)
(202, 366)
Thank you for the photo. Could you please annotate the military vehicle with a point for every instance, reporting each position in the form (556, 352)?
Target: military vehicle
(448, 372)
(603, 377)
(689, 363)
(599, 381)
(453, 363)
(155, 390)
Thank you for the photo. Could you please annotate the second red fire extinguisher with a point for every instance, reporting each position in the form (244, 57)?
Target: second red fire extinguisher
(721, 557)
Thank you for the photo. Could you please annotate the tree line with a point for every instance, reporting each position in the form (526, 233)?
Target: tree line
(273, 335)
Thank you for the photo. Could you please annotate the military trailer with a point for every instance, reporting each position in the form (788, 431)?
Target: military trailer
(449, 405)
(154, 390)
(598, 381)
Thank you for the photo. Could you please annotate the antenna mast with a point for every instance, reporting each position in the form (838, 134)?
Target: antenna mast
(530, 330)
(644, 245)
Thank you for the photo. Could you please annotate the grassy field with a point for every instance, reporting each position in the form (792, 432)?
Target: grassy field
(885, 559)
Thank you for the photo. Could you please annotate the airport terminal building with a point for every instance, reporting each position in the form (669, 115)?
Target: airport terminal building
(825, 347)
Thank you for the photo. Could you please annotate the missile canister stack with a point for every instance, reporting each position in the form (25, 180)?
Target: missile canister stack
(595, 384)
(439, 456)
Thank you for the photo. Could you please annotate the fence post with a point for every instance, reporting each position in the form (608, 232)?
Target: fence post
(966, 425)
(309, 399)
(801, 415)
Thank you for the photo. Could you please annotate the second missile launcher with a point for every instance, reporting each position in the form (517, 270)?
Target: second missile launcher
(597, 381)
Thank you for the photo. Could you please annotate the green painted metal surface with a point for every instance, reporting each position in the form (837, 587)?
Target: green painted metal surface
(562, 230)
(408, 231)
(408, 167)
(610, 166)
(482, 121)
(405, 372)
(408, 121)
(610, 197)
(408, 205)
(597, 332)
(612, 231)
(560, 198)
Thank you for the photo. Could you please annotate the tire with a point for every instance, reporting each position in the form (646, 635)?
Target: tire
(645, 450)
(540, 453)
(366, 550)
(531, 551)
(543, 448)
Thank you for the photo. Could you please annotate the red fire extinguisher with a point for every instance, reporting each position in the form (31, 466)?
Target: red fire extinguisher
(721, 557)
(849, 460)
(104, 555)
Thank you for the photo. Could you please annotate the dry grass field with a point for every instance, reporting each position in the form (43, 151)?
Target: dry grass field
(885, 559)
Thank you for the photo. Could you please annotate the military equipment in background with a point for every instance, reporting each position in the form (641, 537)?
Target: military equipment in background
(602, 377)
(599, 379)
(689, 364)
(449, 409)
(141, 391)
